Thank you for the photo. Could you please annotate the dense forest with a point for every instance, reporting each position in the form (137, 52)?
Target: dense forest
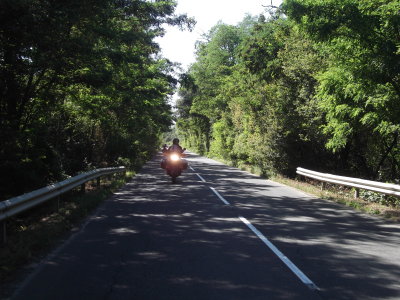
(82, 86)
(314, 83)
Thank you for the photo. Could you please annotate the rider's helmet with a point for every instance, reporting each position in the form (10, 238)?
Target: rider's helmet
(175, 141)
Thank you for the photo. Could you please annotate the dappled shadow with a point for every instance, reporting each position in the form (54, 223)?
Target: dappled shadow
(158, 240)
(349, 255)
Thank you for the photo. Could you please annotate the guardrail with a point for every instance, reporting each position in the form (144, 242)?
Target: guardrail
(16, 205)
(375, 186)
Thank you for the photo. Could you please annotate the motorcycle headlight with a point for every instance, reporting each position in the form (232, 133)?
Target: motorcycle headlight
(174, 157)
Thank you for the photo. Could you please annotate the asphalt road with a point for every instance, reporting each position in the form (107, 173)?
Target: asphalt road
(220, 233)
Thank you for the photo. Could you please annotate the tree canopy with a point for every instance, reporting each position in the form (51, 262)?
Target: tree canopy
(82, 86)
(316, 84)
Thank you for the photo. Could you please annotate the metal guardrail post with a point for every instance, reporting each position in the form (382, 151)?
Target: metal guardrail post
(57, 203)
(3, 238)
(357, 193)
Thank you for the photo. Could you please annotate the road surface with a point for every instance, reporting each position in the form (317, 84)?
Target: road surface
(220, 233)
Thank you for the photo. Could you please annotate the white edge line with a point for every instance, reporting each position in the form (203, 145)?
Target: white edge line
(219, 196)
(201, 178)
(281, 256)
(198, 175)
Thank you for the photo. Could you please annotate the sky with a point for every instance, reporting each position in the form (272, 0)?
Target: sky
(179, 46)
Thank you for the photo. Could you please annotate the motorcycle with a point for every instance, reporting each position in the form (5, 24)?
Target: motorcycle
(174, 164)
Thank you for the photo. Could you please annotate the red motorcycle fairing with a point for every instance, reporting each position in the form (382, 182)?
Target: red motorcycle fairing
(174, 164)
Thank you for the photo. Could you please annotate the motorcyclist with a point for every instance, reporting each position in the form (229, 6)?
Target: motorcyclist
(175, 147)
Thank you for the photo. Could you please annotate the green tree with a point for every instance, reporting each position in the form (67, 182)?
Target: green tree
(82, 86)
(359, 91)
(261, 106)
(216, 58)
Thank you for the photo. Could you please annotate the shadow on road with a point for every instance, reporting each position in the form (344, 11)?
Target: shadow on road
(348, 254)
(158, 240)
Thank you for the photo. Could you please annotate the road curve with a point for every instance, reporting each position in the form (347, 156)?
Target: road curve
(220, 233)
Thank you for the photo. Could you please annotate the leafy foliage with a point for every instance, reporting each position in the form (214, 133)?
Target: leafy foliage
(317, 86)
(82, 86)
(359, 91)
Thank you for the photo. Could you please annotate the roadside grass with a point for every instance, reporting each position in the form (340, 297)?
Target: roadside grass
(343, 196)
(31, 235)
